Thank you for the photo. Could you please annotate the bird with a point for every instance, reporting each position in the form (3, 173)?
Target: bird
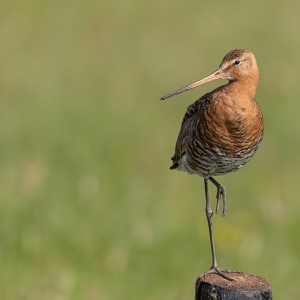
(221, 131)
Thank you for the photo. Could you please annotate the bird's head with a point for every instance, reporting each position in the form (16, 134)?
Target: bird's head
(237, 65)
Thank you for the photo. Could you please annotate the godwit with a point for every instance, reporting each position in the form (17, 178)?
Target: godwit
(222, 130)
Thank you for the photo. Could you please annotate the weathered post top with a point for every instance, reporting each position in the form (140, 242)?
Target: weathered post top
(244, 287)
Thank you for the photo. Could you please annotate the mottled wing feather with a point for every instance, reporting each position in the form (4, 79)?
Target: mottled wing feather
(193, 115)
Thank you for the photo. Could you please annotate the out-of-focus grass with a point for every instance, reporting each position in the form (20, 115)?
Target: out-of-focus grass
(88, 207)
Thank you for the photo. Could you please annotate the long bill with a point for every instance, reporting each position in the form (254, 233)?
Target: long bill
(218, 74)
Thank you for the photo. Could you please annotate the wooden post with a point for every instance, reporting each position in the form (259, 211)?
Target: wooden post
(245, 287)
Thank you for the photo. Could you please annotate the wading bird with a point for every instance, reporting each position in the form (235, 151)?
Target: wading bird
(221, 131)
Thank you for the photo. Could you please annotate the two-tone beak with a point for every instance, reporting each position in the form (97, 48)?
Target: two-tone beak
(218, 74)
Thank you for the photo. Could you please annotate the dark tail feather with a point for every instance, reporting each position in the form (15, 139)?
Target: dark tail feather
(174, 166)
(175, 163)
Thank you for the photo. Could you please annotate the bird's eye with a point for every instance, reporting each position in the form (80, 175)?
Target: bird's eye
(236, 62)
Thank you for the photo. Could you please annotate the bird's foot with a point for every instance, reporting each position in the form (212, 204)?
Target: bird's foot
(221, 272)
(221, 192)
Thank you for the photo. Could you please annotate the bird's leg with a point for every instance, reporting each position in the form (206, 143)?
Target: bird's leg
(209, 214)
(221, 192)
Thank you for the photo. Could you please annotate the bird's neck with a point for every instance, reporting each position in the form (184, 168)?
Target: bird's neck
(243, 87)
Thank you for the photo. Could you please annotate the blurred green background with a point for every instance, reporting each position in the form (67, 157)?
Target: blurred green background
(88, 206)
